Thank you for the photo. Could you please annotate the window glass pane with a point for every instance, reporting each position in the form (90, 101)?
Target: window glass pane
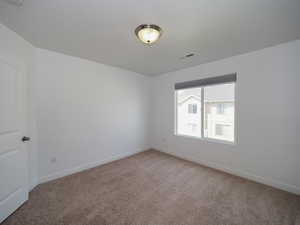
(219, 112)
(192, 108)
(189, 112)
(220, 108)
(219, 129)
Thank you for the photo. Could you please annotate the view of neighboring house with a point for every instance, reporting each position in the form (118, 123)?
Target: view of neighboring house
(219, 120)
(218, 117)
(189, 112)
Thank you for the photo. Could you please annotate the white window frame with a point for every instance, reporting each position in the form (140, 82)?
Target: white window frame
(202, 138)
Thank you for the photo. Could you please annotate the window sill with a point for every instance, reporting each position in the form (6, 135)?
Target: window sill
(207, 139)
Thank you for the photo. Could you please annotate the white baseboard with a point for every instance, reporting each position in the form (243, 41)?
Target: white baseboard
(267, 181)
(86, 166)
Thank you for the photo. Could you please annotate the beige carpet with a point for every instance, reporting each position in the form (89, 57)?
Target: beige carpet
(152, 188)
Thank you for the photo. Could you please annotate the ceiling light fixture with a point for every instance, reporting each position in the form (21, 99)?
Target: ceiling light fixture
(148, 33)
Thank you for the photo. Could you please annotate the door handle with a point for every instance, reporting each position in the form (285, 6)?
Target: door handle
(25, 139)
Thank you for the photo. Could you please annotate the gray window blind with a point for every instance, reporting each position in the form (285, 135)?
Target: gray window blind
(230, 78)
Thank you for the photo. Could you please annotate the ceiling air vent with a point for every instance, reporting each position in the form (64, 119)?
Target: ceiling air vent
(187, 56)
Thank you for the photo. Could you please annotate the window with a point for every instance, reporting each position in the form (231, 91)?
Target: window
(193, 127)
(218, 99)
(192, 108)
(206, 111)
(219, 129)
(189, 121)
(220, 108)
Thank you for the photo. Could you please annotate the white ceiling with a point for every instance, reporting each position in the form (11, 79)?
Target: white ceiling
(103, 30)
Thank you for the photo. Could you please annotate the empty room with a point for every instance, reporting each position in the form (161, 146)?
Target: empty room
(160, 112)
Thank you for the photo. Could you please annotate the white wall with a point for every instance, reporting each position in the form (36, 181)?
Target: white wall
(15, 49)
(87, 113)
(268, 117)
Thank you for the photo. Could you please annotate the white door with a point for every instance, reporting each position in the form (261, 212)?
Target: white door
(13, 154)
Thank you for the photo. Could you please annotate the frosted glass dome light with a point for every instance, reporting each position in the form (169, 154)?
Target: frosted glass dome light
(148, 34)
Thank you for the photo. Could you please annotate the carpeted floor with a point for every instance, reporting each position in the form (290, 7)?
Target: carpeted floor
(152, 188)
